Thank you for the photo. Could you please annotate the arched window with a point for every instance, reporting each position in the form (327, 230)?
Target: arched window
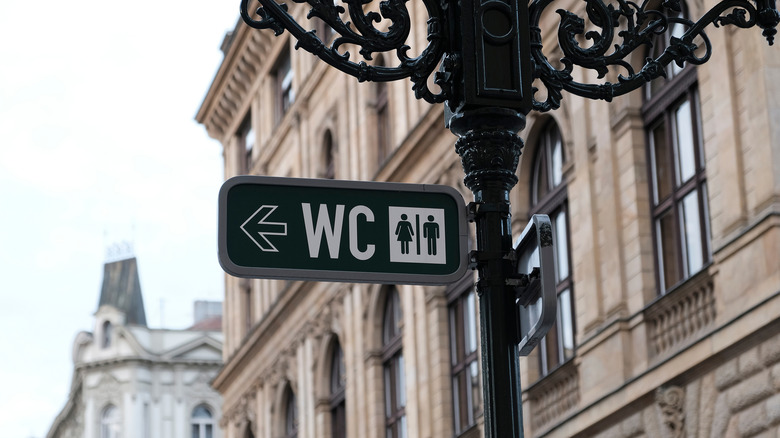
(110, 422)
(290, 415)
(202, 422)
(108, 329)
(393, 367)
(338, 384)
(549, 196)
(678, 179)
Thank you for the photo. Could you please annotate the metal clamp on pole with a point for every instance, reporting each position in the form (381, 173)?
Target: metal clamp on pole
(534, 282)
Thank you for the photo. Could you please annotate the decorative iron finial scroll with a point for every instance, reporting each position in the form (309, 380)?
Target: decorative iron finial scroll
(642, 24)
(625, 27)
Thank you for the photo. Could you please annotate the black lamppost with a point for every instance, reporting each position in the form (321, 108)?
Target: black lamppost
(488, 53)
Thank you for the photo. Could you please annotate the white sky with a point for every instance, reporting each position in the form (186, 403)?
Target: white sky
(98, 145)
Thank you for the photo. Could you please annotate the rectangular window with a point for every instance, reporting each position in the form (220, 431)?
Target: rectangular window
(679, 186)
(247, 139)
(285, 94)
(466, 389)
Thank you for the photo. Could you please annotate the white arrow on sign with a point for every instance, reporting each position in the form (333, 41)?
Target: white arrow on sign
(268, 228)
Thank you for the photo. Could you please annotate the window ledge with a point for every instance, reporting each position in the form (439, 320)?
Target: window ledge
(555, 395)
(681, 316)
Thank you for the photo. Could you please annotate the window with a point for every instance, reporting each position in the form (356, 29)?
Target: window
(110, 423)
(660, 43)
(382, 119)
(678, 180)
(147, 421)
(338, 384)
(548, 196)
(393, 367)
(202, 422)
(291, 415)
(247, 139)
(245, 291)
(323, 31)
(107, 333)
(466, 390)
(328, 163)
(284, 86)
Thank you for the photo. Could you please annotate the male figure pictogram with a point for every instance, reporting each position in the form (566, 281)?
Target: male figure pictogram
(431, 232)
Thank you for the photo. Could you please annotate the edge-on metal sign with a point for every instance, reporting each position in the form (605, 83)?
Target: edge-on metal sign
(352, 231)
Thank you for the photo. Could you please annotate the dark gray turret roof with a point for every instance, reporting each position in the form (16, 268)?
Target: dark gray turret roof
(122, 289)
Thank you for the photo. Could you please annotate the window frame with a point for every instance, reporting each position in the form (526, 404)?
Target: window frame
(553, 203)
(393, 372)
(202, 423)
(329, 150)
(107, 331)
(659, 109)
(110, 422)
(338, 386)
(290, 414)
(284, 91)
(246, 131)
(462, 361)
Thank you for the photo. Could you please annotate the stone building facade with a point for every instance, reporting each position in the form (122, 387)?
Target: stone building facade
(666, 210)
(131, 381)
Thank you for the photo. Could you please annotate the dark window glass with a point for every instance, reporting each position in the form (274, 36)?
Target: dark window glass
(107, 334)
(328, 169)
(247, 140)
(291, 416)
(338, 384)
(284, 85)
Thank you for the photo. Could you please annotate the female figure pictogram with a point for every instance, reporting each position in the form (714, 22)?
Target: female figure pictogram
(404, 232)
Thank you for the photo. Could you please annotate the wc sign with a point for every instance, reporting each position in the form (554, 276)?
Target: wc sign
(351, 231)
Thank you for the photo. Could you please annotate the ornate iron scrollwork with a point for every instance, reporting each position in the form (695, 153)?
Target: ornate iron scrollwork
(361, 31)
(633, 25)
(641, 25)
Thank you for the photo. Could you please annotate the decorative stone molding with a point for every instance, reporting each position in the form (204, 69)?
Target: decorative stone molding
(554, 396)
(238, 82)
(671, 401)
(681, 316)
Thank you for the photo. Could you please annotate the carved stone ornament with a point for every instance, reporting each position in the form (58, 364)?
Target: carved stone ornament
(671, 401)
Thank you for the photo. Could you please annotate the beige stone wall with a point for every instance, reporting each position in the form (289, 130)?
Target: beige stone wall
(713, 337)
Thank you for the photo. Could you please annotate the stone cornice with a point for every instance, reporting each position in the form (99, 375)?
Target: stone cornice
(128, 360)
(229, 91)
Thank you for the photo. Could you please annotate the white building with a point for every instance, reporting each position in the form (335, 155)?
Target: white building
(130, 381)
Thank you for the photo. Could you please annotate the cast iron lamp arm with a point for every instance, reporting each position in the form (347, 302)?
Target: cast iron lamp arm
(642, 24)
(275, 16)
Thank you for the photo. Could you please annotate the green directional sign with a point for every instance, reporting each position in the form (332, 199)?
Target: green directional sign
(312, 229)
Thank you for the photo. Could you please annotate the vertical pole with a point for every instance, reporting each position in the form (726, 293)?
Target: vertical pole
(490, 151)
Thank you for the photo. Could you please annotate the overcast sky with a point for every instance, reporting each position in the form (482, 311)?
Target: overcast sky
(98, 145)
